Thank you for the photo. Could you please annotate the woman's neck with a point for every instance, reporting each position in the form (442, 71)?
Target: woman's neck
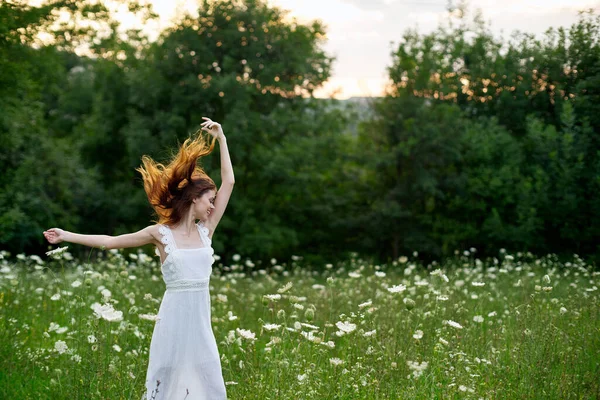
(187, 225)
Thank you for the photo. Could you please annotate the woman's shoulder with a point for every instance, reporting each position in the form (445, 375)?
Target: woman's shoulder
(155, 230)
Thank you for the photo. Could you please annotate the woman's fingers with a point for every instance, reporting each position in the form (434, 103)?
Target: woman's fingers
(208, 125)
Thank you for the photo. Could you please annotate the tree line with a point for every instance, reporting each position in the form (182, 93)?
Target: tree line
(480, 142)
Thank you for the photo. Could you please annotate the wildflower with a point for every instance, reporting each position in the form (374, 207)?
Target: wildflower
(309, 326)
(478, 318)
(365, 304)
(379, 274)
(417, 367)
(55, 297)
(403, 259)
(302, 377)
(107, 312)
(77, 283)
(345, 327)
(442, 298)
(281, 314)
(409, 303)
(397, 289)
(57, 251)
(454, 324)
(479, 284)
(274, 340)
(149, 317)
(354, 274)
(271, 327)
(329, 344)
(563, 310)
(519, 283)
(309, 314)
(370, 333)
(335, 361)
(273, 297)
(285, 288)
(546, 279)
(222, 298)
(418, 334)
(492, 314)
(230, 316)
(443, 341)
(236, 257)
(311, 337)
(60, 346)
(91, 339)
(246, 334)
(117, 348)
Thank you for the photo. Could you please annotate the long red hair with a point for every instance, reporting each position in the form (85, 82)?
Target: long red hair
(172, 188)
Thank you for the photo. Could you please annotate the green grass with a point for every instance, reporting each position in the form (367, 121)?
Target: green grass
(539, 337)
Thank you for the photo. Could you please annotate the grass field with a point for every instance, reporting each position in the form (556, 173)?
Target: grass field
(512, 327)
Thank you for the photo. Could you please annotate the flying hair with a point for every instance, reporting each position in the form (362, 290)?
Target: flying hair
(172, 188)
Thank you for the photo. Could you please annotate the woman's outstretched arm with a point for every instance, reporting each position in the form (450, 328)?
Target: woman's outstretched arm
(227, 177)
(140, 238)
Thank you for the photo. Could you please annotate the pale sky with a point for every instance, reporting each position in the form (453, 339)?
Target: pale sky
(360, 32)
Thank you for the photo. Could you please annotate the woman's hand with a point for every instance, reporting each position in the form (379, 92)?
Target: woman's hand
(54, 235)
(212, 127)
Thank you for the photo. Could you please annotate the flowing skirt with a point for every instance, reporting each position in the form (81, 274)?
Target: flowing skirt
(184, 361)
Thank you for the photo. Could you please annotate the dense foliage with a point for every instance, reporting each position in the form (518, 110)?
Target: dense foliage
(489, 144)
(480, 142)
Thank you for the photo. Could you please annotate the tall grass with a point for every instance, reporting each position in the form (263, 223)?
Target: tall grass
(511, 327)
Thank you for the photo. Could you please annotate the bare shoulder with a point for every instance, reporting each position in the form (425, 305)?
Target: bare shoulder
(152, 230)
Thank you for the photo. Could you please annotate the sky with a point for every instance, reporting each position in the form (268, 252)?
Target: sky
(361, 33)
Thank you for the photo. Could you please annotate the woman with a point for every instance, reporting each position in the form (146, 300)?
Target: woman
(184, 361)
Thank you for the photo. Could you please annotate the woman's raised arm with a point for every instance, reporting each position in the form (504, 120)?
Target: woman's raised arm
(140, 238)
(227, 177)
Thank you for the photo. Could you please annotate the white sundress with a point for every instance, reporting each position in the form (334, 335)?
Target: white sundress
(183, 353)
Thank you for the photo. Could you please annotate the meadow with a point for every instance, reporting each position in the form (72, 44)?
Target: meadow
(510, 327)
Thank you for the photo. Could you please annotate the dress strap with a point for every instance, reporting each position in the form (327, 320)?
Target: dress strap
(166, 238)
(204, 234)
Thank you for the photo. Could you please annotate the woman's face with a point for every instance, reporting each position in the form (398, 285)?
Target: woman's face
(204, 205)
